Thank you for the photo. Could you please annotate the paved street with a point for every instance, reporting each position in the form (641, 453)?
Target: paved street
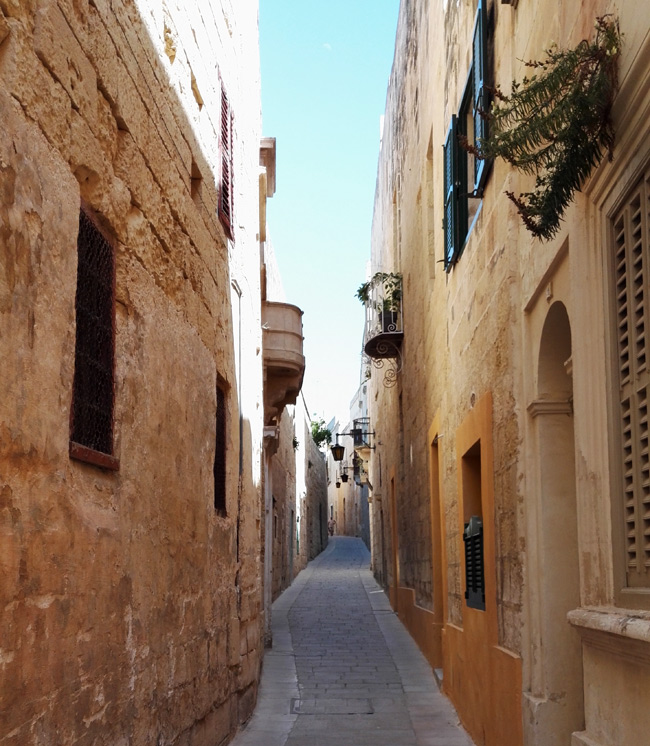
(343, 671)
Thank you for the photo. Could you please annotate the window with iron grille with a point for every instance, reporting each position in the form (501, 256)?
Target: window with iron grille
(226, 140)
(220, 453)
(91, 431)
(464, 174)
(631, 237)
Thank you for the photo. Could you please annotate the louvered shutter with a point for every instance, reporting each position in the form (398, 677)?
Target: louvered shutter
(480, 100)
(225, 192)
(450, 219)
(631, 233)
(474, 572)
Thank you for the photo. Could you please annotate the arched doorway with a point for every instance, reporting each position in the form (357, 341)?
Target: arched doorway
(557, 685)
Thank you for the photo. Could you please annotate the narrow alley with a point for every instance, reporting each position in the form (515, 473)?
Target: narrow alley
(343, 670)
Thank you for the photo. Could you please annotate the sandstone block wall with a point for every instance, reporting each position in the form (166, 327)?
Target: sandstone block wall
(314, 514)
(466, 417)
(130, 609)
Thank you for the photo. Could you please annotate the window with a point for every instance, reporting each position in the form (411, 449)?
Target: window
(464, 174)
(219, 469)
(91, 425)
(473, 528)
(225, 193)
(631, 236)
(474, 576)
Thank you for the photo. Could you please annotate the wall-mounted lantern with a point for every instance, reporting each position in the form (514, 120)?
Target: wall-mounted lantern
(360, 437)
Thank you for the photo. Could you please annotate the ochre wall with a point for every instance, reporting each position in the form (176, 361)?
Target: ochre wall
(129, 609)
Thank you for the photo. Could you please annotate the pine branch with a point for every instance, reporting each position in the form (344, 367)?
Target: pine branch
(556, 124)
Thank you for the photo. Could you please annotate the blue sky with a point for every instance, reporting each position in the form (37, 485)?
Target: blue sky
(325, 70)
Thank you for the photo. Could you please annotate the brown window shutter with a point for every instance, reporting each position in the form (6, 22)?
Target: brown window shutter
(631, 234)
(225, 192)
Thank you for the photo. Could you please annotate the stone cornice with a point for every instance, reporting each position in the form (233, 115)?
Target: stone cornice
(550, 406)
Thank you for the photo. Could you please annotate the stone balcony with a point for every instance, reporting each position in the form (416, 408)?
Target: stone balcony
(284, 362)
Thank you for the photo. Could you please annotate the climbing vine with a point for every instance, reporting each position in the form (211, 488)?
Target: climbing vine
(556, 124)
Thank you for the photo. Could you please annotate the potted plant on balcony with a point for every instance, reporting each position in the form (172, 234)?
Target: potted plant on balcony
(389, 297)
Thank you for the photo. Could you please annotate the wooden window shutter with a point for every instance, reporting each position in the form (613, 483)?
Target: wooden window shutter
(474, 573)
(226, 190)
(480, 100)
(450, 219)
(631, 235)
(91, 416)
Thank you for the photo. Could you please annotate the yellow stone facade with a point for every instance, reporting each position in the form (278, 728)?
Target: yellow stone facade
(131, 606)
(508, 406)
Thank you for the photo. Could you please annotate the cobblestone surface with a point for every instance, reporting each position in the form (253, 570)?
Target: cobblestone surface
(343, 671)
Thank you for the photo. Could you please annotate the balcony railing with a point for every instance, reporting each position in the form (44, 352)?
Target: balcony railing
(361, 433)
(383, 329)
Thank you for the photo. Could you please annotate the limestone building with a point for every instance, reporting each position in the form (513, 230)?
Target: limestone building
(510, 499)
(349, 486)
(136, 378)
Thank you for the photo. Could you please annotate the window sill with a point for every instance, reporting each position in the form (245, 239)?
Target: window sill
(90, 456)
(621, 632)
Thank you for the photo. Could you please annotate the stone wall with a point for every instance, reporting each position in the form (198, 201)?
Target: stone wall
(283, 466)
(469, 427)
(314, 531)
(130, 608)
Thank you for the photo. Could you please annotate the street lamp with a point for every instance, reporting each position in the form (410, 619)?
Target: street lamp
(338, 451)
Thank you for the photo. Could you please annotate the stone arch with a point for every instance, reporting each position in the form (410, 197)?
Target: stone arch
(559, 683)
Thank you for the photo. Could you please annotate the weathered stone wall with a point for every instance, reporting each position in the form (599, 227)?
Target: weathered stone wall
(460, 326)
(471, 359)
(283, 467)
(299, 499)
(130, 608)
(314, 514)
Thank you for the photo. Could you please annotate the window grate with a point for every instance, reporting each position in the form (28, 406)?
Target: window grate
(93, 387)
(220, 453)
(630, 232)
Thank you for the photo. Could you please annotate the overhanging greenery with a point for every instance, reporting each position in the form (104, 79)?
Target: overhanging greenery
(557, 124)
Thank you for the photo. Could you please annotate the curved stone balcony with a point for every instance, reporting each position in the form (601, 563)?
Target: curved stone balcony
(284, 362)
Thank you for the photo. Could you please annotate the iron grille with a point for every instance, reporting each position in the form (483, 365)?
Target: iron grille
(220, 453)
(93, 388)
(474, 575)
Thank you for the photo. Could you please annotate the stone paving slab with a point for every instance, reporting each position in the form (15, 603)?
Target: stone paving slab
(343, 671)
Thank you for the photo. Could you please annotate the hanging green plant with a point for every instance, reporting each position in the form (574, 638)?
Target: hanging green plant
(557, 124)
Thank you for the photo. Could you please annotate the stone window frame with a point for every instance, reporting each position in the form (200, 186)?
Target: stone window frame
(83, 447)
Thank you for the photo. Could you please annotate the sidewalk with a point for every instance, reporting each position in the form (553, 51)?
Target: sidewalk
(343, 671)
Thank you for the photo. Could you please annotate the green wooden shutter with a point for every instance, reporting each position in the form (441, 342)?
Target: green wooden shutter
(480, 98)
(450, 219)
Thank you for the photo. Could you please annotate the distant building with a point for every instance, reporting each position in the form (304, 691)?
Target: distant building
(511, 483)
(349, 490)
